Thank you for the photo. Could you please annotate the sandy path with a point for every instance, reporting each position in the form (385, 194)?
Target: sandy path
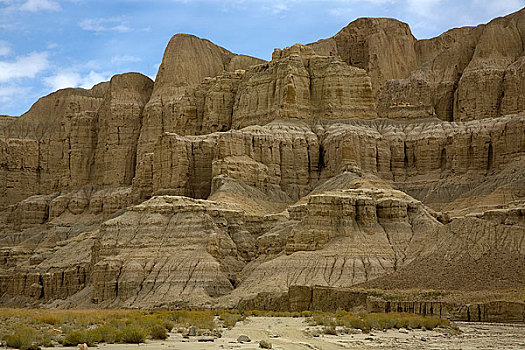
(289, 334)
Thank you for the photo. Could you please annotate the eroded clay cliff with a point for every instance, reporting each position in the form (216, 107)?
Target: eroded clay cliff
(368, 159)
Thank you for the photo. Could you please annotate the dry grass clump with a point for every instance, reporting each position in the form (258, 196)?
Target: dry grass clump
(368, 321)
(199, 319)
(27, 329)
(132, 335)
(412, 294)
(229, 318)
(27, 338)
(262, 313)
(158, 332)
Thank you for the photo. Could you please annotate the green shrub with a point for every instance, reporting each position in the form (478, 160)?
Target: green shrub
(158, 332)
(47, 342)
(149, 321)
(263, 313)
(78, 337)
(106, 333)
(168, 325)
(49, 319)
(369, 321)
(349, 320)
(132, 335)
(22, 338)
(199, 319)
(32, 347)
(323, 319)
(329, 330)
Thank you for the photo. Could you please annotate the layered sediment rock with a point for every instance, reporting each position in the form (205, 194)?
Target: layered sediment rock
(340, 238)
(464, 74)
(479, 251)
(298, 84)
(276, 155)
(317, 298)
(166, 249)
(458, 156)
(74, 138)
(50, 146)
(42, 275)
(119, 121)
(186, 62)
(6, 120)
(375, 45)
(232, 177)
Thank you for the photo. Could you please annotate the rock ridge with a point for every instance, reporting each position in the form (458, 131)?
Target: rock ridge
(366, 160)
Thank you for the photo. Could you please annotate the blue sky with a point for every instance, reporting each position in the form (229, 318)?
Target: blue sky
(50, 44)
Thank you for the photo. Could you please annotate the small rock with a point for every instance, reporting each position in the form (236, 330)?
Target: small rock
(206, 339)
(369, 338)
(193, 331)
(315, 333)
(423, 339)
(354, 331)
(244, 339)
(403, 330)
(265, 344)
(82, 346)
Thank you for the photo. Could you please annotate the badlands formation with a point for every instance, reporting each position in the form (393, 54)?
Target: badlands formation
(366, 160)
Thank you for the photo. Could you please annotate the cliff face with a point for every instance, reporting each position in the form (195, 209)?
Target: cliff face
(367, 157)
(384, 47)
(464, 74)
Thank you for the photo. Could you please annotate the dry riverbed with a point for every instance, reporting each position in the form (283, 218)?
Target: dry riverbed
(295, 333)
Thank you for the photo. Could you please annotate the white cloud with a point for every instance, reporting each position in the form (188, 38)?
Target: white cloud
(89, 65)
(423, 8)
(496, 8)
(277, 8)
(277, 2)
(8, 91)
(5, 48)
(375, 2)
(341, 12)
(10, 6)
(121, 59)
(93, 78)
(115, 24)
(24, 66)
(39, 5)
(69, 79)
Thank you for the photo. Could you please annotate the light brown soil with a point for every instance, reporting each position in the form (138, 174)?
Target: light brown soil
(294, 333)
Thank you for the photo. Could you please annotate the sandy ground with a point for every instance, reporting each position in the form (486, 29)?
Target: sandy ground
(294, 333)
